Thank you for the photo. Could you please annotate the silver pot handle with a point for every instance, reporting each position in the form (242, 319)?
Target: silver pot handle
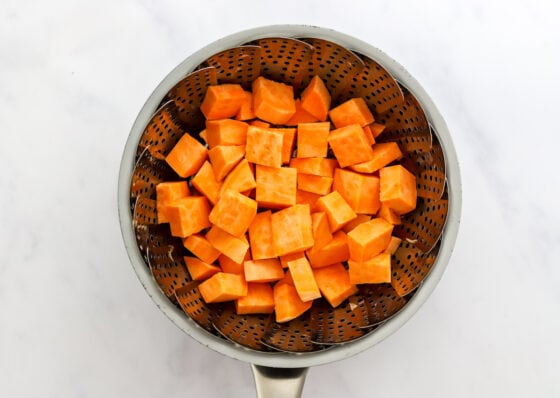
(279, 382)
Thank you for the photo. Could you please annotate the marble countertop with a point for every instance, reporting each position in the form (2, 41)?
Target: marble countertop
(75, 322)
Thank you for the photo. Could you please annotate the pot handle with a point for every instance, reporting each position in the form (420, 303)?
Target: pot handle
(279, 382)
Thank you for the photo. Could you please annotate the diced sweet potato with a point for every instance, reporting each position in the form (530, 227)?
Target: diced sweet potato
(287, 276)
(393, 245)
(233, 247)
(167, 193)
(301, 116)
(290, 257)
(259, 300)
(200, 270)
(321, 230)
(303, 278)
(291, 230)
(314, 184)
(222, 101)
(334, 283)
(246, 110)
(315, 99)
(260, 236)
(188, 216)
(226, 132)
(383, 154)
(204, 135)
(267, 270)
(231, 267)
(338, 210)
(369, 135)
(288, 143)
(223, 287)
(273, 101)
(224, 158)
(377, 129)
(360, 191)
(389, 215)
(201, 248)
(259, 123)
(276, 187)
(308, 198)
(287, 303)
(187, 156)
(205, 182)
(315, 166)
(361, 218)
(350, 112)
(264, 146)
(233, 212)
(369, 239)
(398, 189)
(240, 179)
(312, 139)
(333, 252)
(373, 270)
(350, 145)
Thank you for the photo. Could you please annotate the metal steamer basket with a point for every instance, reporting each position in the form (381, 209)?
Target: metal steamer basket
(281, 353)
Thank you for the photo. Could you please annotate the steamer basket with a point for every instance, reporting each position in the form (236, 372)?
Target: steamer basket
(350, 68)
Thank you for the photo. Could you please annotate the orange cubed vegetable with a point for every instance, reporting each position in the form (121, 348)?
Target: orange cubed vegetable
(315, 99)
(287, 143)
(167, 193)
(333, 252)
(188, 215)
(359, 190)
(287, 277)
(287, 303)
(338, 210)
(246, 110)
(321, 230)
(389, 215)
(223, 287)
(267, 270)
(312, 139)
(204, 135)
(308, 198)
(334, 283)
(369, 239)
(233, 212)
(260, 236)
(291, 230)
(315, 166)
(187, 156)
(290, 257)
(301, 116)
(303, 278)
(314, 184)
(222, 101)
(383, 154)
(264, 146)
(233, 247)
(369, 134)
(393, 245)
(240, 179)
(276, 187)
(398, 189)
(273, 101)
(259, 123)
(230, 266)
(224, 158)
(353, 111)
(200, 270)
(377, 129)
(259, 300)
(226, 132)
(205, 182)
(350, 145)
(201, 248)
(361, 218)
(373, 270)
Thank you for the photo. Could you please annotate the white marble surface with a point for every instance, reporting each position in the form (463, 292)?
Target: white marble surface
(75, 322)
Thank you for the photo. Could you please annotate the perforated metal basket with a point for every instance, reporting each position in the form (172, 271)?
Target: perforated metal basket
(350, 68)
